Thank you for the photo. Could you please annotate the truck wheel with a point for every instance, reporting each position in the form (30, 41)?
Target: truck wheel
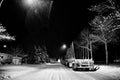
(68, 64)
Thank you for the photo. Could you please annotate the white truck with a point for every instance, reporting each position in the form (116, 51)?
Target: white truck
(83, 64)
(79, 60)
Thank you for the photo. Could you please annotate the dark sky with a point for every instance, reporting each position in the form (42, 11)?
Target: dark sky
(67, 19)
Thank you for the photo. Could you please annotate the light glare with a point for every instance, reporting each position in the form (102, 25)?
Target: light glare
(31, 2)
(64, 46)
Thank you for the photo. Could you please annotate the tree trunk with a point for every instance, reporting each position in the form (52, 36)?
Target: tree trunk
(91, 50)
(83, 54)
(106, 52)
(88, 54)
(87, 51)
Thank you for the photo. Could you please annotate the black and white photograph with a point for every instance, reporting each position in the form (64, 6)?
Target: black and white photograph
(59, 40)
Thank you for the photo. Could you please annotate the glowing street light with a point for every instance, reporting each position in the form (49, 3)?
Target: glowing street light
(37, 7)
(63, 47)
(30, 2)
(33, 4)
(4, 46)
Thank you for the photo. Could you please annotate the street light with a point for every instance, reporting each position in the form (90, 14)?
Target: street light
(64, 46)
(33, 4)
(37, 7)
(4, 46)
(30, 2)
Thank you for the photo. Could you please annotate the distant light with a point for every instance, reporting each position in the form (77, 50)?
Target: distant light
(59, 60)
(4, 46)
(64, 46)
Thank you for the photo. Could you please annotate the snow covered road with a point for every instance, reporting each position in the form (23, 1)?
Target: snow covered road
(59, 72)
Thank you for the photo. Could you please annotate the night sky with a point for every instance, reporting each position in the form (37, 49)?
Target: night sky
(66, 20)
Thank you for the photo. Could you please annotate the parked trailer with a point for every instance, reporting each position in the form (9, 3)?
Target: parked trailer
(84, 60)
(83, 64)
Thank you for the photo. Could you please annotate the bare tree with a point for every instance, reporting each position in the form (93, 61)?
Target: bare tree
(41, 54)
(17, 51)
(86, 41)
(106, 26)
(104, 7)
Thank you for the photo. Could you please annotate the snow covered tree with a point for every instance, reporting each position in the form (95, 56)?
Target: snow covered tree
(4, 35)
(105, 7)
(70, 54)
(41, 54)
(106, 26)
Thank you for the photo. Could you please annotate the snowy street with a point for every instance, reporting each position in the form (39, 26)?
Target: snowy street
(57, 71)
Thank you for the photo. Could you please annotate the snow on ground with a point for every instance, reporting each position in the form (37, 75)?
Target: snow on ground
(53, 74)
(105, 72)
(15, 71)
(110, 71)
(59, 72)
